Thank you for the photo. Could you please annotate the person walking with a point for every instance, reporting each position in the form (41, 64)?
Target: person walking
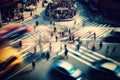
(47, 55)
(73, 38)
(69, 31)
(74, 23)
(31, 13)
(51, 34)
(66, 52)
(100, 45)
(113, 50)
(79, 39)
(78, 47)
(22, 17)
(51, 23)
(36, 23)
(63, 34)
(87, 42)
(50, 47)
(54, 29)
(94, 36)
(20, 44)
(93, 47)
(56, 38)
(107, 50)
(33, 64)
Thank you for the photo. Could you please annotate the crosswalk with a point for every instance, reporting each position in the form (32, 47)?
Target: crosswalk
(83, 55)
(87, 32)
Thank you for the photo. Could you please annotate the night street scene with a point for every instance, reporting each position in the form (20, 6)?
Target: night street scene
(59, 39)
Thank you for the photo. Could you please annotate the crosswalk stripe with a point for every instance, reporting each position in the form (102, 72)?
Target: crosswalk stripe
(103, 33)
(87, 53)
(94, 24)
(81, 55)
(86, 33)
(96, 58)
(79, 59)
(90, 23)
(94, 53)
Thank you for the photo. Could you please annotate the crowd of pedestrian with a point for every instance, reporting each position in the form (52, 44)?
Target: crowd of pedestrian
(61, 10)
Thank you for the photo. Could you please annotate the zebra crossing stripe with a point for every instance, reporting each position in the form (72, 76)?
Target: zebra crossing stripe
(90, 55)
(104, 33)
(81, 55)
(94, 24)
(101, 56)
(100, 25)
(82, 51)
(81, 60)
(90, 23)
(94, 53)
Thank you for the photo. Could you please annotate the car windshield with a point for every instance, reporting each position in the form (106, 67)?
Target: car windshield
(110, 66)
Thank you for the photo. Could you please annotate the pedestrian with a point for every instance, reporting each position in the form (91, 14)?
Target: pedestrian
(70, 37)
(65, 46)
(33, 64)
(51, 34)
(51, 23)
(35, 49)
(79, 40)
(69, 31)
(93, 47)
(100, 45)
(22, 17)
(39, 43)
(66, 52)
(94, 36)
(42, 4)
(107, 50)
(50, 47)
(54, 29)
(73, 38)
(20, 44)
(74, 23)
(113, 50)
(31, 13)
(47, 55)
(8, 19)
(87, 42)
(56, 38)
(36, 23)
(78, 47)
(60, 47)
(63, 34)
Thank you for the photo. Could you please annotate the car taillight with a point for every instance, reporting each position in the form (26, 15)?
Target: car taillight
(2, 37)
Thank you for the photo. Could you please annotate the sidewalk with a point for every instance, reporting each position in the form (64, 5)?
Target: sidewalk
(26, 14)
